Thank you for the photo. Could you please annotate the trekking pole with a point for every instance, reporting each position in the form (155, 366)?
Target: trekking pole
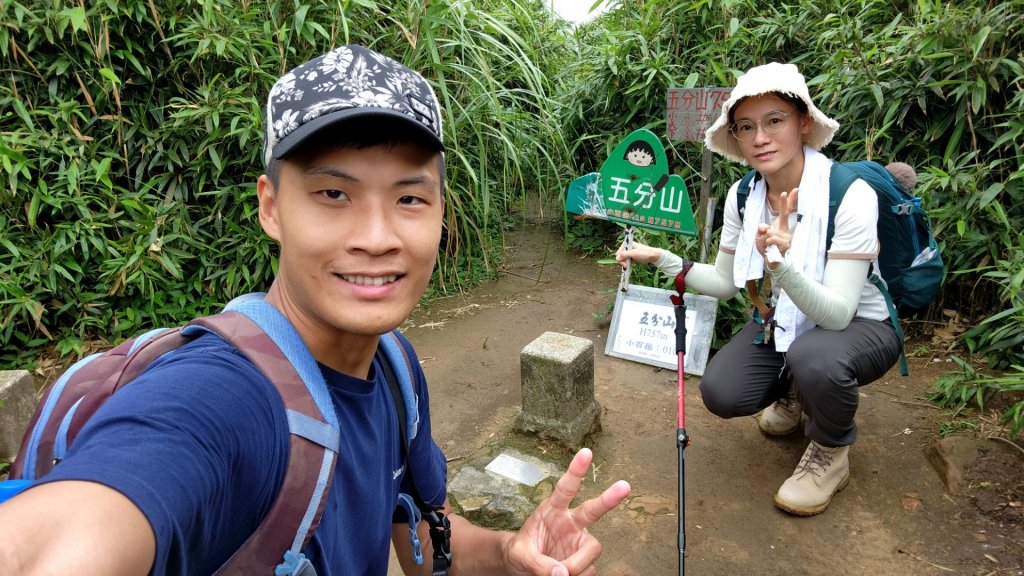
(682, 440)
(627, 243)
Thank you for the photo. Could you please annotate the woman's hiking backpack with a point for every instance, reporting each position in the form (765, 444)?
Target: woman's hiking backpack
(909, 261)
(908, 258)
(270, 342)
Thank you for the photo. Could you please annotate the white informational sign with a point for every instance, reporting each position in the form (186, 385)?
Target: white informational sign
(643, 328)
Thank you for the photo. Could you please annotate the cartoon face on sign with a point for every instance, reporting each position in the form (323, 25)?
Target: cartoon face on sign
(640, 153)
(639, 158)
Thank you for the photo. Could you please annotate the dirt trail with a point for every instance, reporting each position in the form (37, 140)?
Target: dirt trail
(893, 519)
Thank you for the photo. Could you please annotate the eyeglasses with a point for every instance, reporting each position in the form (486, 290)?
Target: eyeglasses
(744, 130)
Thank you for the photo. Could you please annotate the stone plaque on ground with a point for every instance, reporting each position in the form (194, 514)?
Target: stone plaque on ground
(519, 470)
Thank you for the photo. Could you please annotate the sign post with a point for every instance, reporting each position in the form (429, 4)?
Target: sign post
(691, 111)
(644, 325)
(635, 188)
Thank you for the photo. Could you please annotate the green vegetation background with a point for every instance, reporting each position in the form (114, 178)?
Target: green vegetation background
(131, 136)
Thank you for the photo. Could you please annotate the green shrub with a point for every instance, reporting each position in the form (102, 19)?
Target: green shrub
(131, 136)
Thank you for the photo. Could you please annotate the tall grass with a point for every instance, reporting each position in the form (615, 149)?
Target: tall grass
(131, 136)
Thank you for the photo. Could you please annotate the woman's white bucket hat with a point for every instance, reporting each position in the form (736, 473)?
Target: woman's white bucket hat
(774, 77)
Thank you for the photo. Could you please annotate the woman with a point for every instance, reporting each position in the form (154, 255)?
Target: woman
(827, 330)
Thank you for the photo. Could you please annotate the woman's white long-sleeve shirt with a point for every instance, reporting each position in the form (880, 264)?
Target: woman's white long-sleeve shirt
(844, 291)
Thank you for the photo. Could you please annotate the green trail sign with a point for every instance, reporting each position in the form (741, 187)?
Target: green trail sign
(634, 187)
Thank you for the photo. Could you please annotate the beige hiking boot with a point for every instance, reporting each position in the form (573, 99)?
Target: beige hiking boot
(821, 473)
(782, 417)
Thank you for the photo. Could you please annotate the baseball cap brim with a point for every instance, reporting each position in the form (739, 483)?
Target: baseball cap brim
(316, 129)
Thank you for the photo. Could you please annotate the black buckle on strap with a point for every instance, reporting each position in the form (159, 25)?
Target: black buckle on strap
(441, 539)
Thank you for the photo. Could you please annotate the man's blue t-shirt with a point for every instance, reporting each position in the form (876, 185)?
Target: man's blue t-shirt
(199, 443)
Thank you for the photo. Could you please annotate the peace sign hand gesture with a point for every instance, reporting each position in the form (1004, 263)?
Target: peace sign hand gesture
(777, 234)
(554, 540)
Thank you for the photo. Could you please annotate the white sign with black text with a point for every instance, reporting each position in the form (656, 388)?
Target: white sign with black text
(643, 328)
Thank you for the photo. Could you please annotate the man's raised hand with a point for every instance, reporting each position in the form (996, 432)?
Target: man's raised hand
(554, 540)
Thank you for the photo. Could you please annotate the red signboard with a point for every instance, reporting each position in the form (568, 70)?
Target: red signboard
(691, 111)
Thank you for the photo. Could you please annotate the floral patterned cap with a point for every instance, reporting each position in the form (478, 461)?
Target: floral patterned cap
(347, 82)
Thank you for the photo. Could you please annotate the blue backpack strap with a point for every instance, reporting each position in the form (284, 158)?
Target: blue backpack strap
(412, 512)
(839, 182)
(397, 369)
(270, 341)
(295, 564)
(396, 356)
(281, 331)
(28, 471)
(81, 390)
(894, 318)
(60, 443)
(398, 373)
(146, 337)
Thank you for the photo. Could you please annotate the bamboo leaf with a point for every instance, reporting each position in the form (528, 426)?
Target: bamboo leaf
(979, 94)
(300, 19)
(990, 194)
(76, 16)
(11, 247)
(979, 40)
(109, 75)
(215, 157)
(876, 91)
(33, 210)
(13, 154)
(22, 113)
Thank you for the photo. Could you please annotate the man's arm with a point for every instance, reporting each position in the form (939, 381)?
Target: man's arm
(73, 527)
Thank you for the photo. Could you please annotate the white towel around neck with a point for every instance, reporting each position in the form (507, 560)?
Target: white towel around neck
(807, 249)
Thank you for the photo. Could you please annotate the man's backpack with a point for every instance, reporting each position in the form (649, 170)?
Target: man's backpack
(909, 261)
(270, 342)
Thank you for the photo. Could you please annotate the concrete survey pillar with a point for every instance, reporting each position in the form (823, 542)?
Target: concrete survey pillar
(17, 404)
(557, 372)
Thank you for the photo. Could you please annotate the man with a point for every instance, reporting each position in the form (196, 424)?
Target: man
(178, 469)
